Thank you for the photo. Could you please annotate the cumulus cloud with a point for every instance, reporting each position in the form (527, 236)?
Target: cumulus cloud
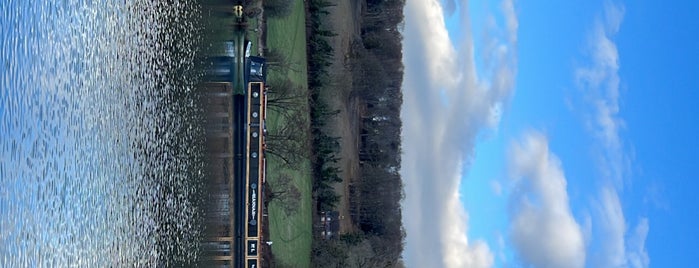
(542, 228)
(438, 136)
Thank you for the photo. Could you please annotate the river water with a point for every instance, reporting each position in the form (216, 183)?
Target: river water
(101, 163)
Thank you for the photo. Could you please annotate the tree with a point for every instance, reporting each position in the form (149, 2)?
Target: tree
(279, 61)
(377, 74)
(287, 141)
(278, 8)
(285, 97)
(284, 192)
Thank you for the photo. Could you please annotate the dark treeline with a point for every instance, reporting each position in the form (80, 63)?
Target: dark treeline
(325, 147)
(377, 74)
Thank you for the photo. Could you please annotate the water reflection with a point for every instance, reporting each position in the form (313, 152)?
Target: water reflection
(100, 162)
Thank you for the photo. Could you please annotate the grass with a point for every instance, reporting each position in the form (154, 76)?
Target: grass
(291, 234)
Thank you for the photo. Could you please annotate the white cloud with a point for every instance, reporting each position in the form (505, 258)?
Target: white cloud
(508, 8)
(501, 248)
(638, 256)
(459, 253)
(496, 186)
(617, 246)
(542, 228)
(655, 196)
(438, 138)
(610, 220)
(600, 83)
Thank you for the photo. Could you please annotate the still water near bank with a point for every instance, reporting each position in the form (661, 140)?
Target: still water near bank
(100, 157)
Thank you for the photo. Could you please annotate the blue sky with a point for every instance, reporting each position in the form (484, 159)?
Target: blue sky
(567, 137)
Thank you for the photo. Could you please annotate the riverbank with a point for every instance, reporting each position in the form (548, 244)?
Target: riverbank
(290, 233)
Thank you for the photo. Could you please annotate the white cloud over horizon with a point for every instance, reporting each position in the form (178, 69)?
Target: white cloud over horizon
(439, 136)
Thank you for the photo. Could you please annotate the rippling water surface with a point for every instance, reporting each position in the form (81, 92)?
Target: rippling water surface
(100, 162)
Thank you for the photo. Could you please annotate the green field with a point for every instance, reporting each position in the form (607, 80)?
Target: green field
(291, 234)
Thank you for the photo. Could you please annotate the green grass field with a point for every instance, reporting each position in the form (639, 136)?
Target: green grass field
(291, 234)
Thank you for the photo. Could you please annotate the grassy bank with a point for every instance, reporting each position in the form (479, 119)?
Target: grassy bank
(291, 234)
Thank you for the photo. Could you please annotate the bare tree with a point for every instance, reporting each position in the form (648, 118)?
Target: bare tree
(279, 61)
(287, 141)
(286, 98)
(284, 192)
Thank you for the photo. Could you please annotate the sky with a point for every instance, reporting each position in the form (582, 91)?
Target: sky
(550, 133)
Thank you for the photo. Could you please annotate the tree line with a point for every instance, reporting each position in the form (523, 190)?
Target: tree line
(377, 74)
(325, 147)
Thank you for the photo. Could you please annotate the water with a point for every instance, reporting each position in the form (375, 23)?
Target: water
(100, 156)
